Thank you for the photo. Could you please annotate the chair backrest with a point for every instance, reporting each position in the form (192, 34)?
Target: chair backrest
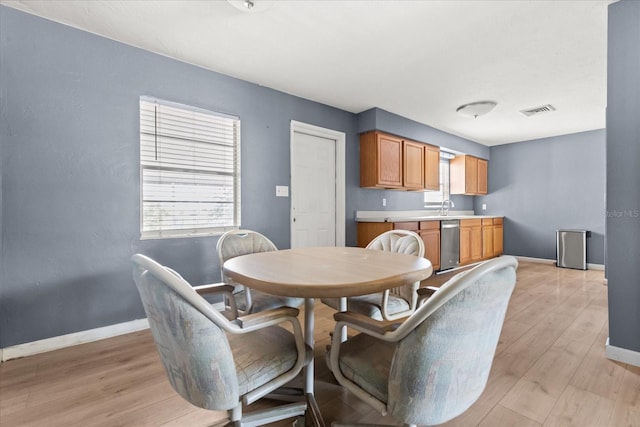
(241, 242)
(442, 364)
(404, 242)
(193, 347)
(401, 241)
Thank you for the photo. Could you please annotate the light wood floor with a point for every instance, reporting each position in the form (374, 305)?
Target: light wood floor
(549, 370)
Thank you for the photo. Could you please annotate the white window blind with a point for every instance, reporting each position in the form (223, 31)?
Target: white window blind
(190, 170)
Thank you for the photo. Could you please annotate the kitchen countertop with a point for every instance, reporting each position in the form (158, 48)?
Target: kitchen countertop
(402, 216)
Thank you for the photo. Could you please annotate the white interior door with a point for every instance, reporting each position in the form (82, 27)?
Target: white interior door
(316, 188)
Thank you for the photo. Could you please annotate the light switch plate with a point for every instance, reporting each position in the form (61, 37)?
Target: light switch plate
(282, 191)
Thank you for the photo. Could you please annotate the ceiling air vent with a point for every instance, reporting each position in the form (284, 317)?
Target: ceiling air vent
(538, 110)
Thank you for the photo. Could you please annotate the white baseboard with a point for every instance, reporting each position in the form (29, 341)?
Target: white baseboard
(537, 260)
(553, 262)
(623, 355)
(62, 341)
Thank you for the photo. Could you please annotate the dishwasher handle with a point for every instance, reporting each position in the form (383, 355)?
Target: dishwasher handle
(450, 226)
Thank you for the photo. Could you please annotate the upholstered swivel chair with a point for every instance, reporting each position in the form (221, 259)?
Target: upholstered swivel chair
(215, 363)
(242, 242)
(434, 365)
(392, 303)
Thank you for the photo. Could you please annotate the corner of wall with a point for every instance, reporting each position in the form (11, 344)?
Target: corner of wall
(366, 120)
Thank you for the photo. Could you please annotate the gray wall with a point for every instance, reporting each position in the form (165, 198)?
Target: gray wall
(623, 174)
(70, 189)
(69, 172)
(548, 184)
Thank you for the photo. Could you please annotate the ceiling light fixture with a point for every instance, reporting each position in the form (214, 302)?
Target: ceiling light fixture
(251, 6)
(475, 109)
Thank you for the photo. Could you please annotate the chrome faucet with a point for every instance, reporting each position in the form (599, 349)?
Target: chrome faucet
(449, 204)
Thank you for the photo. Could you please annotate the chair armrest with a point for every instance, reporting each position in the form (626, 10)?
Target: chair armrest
(366, 324)
(267, 316)
(213, 288)
(224, 289)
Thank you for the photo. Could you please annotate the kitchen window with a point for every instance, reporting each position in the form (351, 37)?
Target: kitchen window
(190, 170)
(434, 199)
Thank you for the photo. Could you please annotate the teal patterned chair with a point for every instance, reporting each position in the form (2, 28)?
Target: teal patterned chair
(215, 363)
(433, 366)
(242, 242)
(393, 303)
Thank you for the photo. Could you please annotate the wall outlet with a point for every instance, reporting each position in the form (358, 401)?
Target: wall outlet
(484, 206)
(282, 191)
(384, 202)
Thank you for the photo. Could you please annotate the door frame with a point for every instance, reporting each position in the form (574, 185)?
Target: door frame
(340, 139)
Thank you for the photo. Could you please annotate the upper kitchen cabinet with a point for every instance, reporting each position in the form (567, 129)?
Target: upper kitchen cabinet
(483, 182)
(468, 175)
(380, 160)
(388, 161)
(413, 155)
(431, 167)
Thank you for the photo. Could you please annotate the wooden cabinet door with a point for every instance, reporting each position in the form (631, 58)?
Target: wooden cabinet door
(430, 234)
(468, 175)
(498, 247)
(463, 175)
(457, 175)
(476, 243)
(470, 241)
(471, 175)
(380, 160)
(389, 161)
(413, 156)
(487, 241)
(482, 176)
(431, 239)
(432, 168)
(465, 245)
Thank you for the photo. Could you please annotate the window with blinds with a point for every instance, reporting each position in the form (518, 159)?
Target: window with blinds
(190, 170)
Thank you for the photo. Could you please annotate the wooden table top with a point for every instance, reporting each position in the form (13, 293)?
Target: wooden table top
(326, 272)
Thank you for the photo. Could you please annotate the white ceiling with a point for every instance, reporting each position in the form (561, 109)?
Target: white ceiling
(418, 59)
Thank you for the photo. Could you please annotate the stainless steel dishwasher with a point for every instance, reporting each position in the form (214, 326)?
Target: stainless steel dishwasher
(449, 244)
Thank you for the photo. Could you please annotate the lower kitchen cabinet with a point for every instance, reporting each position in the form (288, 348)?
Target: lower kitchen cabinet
(487, 238)
(492, 237)
(367, 231)
(430, 233)
(470, 241)
(480, 239)
(498, 235)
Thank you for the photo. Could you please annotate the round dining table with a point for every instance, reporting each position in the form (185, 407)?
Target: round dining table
(325, 272)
